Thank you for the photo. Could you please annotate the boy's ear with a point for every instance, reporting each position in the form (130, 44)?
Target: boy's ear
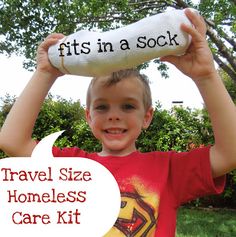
(148, 118)
(87, 116)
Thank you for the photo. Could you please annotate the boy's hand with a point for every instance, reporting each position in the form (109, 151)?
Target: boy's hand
(43, 64)
(197, 62)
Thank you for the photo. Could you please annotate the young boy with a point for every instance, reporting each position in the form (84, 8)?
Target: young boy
(153, 185)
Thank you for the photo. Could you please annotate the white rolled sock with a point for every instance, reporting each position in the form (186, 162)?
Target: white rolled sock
(89, 53)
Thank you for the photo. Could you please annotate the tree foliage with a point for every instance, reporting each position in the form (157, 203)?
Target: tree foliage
(179, 129)
(56, 114)
(23, 24)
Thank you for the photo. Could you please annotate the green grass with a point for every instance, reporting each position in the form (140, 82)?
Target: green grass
(206, 223)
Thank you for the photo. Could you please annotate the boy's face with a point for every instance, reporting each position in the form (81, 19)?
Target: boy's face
(117, 115)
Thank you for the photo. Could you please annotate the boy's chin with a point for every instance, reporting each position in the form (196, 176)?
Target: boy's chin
(117, 149)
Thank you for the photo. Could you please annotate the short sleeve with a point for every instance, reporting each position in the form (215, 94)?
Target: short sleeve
(191, 176)
(68, 152)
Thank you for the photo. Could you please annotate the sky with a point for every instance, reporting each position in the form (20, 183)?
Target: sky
(176, 88)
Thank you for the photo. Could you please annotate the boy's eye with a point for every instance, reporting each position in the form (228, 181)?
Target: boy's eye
(128, 107)
(101, 107)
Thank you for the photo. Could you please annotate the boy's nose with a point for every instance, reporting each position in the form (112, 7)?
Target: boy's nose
(114, 118)
(114, 115)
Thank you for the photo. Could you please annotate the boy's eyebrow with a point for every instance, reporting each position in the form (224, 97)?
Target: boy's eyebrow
(99, 100)
(102, 99)
(132, 99)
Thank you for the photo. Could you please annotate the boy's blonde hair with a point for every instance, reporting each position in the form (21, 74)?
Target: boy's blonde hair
(116, 77)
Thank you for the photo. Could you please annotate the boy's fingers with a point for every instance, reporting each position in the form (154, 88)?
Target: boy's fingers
(196, 36)
(55, 36)
(197, 20)
(170, 59)
(51, 39)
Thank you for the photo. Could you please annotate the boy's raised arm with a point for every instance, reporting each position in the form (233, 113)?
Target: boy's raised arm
(16, 132)
(198, 64)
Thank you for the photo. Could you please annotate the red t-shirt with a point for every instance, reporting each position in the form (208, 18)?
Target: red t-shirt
(153, 185)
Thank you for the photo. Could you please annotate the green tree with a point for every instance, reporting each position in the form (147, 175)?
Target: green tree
(23, 24)
(56, 114)
(179, 129)
(5, 105)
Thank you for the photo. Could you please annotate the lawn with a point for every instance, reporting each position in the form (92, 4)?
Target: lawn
(206, 223)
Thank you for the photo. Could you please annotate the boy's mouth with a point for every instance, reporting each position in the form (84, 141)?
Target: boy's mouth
(115, 131)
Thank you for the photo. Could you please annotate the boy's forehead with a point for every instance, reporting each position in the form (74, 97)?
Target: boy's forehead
(106, 83)
(128, 89)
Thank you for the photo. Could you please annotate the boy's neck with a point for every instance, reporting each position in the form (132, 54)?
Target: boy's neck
(116, 153)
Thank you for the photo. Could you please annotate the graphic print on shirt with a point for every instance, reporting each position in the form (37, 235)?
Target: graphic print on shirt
(139, 211)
